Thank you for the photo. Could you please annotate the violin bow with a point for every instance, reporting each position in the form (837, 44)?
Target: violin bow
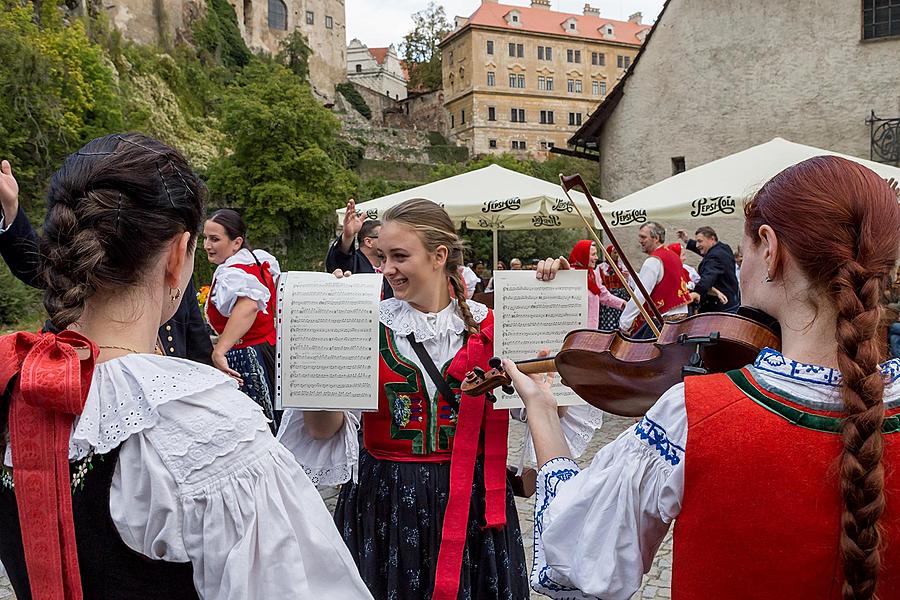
(575, 181)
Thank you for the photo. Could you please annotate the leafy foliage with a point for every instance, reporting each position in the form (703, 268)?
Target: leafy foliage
(355, 99)
(218, 35)
(17, 301)
(420, 47)
(295, 53)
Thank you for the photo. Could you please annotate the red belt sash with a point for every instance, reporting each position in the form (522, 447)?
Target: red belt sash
(51, 390)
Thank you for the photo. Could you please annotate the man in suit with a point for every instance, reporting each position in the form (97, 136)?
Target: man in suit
(717, 270)
(364, 258)
(184, 335)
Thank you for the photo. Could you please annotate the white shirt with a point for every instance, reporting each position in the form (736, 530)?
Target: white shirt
(650, 275)
(230, 284)
(200, 479)
(334, 461)
(598, 529)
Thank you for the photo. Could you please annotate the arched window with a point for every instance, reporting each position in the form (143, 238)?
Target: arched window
(277, 15)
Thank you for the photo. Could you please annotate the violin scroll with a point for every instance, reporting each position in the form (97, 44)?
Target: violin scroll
(479, 381)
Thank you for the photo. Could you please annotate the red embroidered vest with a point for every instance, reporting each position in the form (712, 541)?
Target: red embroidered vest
(671, 291)
(410, 426)
(263, 328)
(761, 510)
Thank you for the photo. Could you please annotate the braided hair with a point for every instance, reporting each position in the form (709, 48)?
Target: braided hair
(112, 207)
(434, 227)
(851, 216)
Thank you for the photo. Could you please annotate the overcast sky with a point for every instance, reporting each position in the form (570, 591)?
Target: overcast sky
(380, 23)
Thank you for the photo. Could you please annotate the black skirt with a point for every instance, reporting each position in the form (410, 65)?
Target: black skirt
(391, 521)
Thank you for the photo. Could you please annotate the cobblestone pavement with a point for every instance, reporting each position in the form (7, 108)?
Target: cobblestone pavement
(657, 583)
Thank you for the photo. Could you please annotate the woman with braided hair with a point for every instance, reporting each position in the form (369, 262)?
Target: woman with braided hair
(782, 476)
(126, 474)
(425, 508)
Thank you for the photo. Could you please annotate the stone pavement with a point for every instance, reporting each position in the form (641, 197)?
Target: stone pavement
(657, 583)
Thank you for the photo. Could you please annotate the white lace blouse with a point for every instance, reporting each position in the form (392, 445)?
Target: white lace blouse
(597, 530)
(200, 479)
(334, 461)
(230, 284)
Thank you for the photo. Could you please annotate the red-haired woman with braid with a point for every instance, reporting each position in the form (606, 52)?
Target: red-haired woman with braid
(781, 475)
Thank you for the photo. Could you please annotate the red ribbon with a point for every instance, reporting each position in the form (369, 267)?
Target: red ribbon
(475, 413)
(51, 390)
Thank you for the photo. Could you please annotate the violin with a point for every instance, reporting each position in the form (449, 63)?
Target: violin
(625, 376)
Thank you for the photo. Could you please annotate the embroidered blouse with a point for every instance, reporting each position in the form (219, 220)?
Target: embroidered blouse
(231, 284)
(200, 479)
(597, 530)
(334, 461)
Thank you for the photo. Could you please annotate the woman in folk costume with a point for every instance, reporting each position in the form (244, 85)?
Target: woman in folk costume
(584, 256)
(609, 315)
(429, 514)
(129, 475)
(785, 472)
(241, 307)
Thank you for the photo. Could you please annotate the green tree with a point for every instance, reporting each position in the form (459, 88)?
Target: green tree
(420, 47)
(295, 53)
(284, 165)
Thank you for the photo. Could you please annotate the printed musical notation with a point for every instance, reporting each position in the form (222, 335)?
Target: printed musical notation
(327, 351)
(531, 314)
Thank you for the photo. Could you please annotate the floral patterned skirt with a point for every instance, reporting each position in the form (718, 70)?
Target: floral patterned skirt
(391, 521)
(256, 364)
(609, 316)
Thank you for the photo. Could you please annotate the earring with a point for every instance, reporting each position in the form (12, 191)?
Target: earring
(768, 279)
(174, 295)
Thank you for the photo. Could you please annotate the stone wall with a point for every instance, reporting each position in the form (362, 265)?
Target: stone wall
(422, 112)
(717, 79)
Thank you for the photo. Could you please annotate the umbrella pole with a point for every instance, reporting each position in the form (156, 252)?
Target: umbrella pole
(494, 235)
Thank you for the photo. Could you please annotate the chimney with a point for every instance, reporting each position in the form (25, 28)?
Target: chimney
(590, 11)
(541, 4)
(636, 18)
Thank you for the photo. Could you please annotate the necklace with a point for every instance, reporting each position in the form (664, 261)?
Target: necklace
(111, 347)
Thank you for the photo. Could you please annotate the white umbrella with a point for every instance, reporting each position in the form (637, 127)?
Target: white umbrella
(493, 198)
(718, 187)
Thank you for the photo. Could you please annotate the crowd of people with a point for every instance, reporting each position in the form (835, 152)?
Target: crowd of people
(142, 460)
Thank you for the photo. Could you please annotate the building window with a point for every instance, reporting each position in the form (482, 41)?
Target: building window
(515, 18)
(623, 62)
(578, 56)
(542, 83)
(521, 80)
(602, 88)
(677, 165)
(594, 58)
(310, 18)
(551, 145)
(577, 86)
(453, 121)
(627, 61)
(570, 55)
(595, 88)
(518, 145)
(492, 113)
(516, 50)
(451, 57)
(572, 26)
(329, 22)
(881, 18)
(490, 78)
(546, 117)
(492, 144)
(512, 80)
(549, 84)
(359, 68)
(570, 85)
(462, 117)
(490, 46)
(512, 50)
(522, 145)
(545, 53)
(574, 118)
(517, 115)
(601, 59)
(278, 15)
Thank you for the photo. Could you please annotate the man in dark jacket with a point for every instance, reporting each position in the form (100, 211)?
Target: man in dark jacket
(184, 335)
(361, 259)
(716, 270)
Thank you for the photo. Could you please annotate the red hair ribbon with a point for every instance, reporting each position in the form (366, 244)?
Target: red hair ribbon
(51, 390)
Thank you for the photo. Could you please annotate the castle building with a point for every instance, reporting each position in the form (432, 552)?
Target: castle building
(378, 69)
(264, 24)
(522, 79)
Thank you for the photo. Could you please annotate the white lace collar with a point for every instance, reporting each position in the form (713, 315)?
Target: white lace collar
(403, 319)
(125, 393)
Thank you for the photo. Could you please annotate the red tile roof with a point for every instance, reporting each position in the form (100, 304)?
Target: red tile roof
(538, 20)
(379, 54)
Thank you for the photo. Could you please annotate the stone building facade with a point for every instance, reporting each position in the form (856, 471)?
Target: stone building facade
(522, 79)
(264, 24)
(378, 69)
(714, 79)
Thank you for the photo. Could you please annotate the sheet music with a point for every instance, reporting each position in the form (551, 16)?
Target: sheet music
(327, 350)
(531, 314)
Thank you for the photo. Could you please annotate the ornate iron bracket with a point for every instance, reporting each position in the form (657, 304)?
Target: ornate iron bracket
(885, 139)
